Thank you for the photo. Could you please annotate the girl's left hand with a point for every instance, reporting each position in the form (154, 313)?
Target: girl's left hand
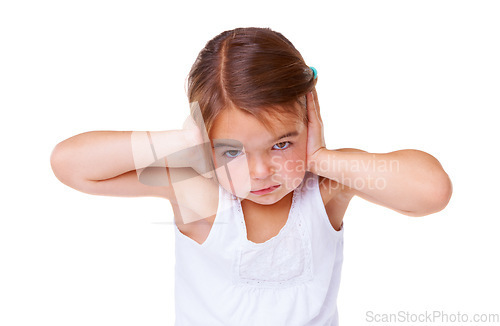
(315, 130)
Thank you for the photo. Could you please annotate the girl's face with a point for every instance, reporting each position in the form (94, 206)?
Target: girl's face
(255, 163)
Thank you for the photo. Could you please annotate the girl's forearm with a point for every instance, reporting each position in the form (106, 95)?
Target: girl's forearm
(100, 155)
(407, 180)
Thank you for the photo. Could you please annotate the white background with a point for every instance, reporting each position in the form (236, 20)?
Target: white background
(392, 75)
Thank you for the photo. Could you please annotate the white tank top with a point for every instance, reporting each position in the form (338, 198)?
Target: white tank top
(291, 279)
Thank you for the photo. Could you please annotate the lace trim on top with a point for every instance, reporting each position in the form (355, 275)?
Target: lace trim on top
(283, 260)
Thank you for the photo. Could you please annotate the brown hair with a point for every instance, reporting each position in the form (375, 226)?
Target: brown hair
(253, 69)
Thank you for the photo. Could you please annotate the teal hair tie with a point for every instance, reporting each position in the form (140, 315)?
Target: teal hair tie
(315, 72)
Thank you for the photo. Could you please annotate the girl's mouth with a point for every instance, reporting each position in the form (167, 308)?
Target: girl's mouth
(265, 190)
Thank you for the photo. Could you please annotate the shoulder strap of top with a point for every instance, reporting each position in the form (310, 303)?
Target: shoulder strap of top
(313, 203)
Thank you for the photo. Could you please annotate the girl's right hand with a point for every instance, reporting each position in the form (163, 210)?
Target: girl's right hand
(200, 154)
(197, 137)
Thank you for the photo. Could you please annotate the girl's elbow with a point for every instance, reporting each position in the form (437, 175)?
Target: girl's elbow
(444, 191)
(440, 197)
(435, 200)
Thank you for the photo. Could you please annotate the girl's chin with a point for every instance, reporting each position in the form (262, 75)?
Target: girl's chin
(268, 199)
(265, 198)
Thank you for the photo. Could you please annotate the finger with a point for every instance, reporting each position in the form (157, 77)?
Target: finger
(311, 111)
(316, 103)
(315, 116)
(188, 123)
(198, 120)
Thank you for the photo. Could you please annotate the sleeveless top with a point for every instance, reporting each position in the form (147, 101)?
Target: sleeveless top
(291, 279)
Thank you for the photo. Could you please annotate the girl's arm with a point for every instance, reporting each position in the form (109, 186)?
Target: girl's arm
(410, 182)
(109, 162)
(99, 155)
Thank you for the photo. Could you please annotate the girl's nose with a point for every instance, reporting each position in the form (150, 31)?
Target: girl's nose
(260, 167)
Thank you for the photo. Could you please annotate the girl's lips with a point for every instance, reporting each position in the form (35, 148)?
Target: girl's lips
(265, 191)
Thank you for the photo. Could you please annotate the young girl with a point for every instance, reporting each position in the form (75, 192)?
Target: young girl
(258, 199)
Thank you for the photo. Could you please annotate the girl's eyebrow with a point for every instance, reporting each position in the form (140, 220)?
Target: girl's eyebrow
(230, 143)
(236, 144)
(288, 134)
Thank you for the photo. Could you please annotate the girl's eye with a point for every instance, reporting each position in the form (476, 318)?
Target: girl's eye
(232, 153)
(282, 145)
